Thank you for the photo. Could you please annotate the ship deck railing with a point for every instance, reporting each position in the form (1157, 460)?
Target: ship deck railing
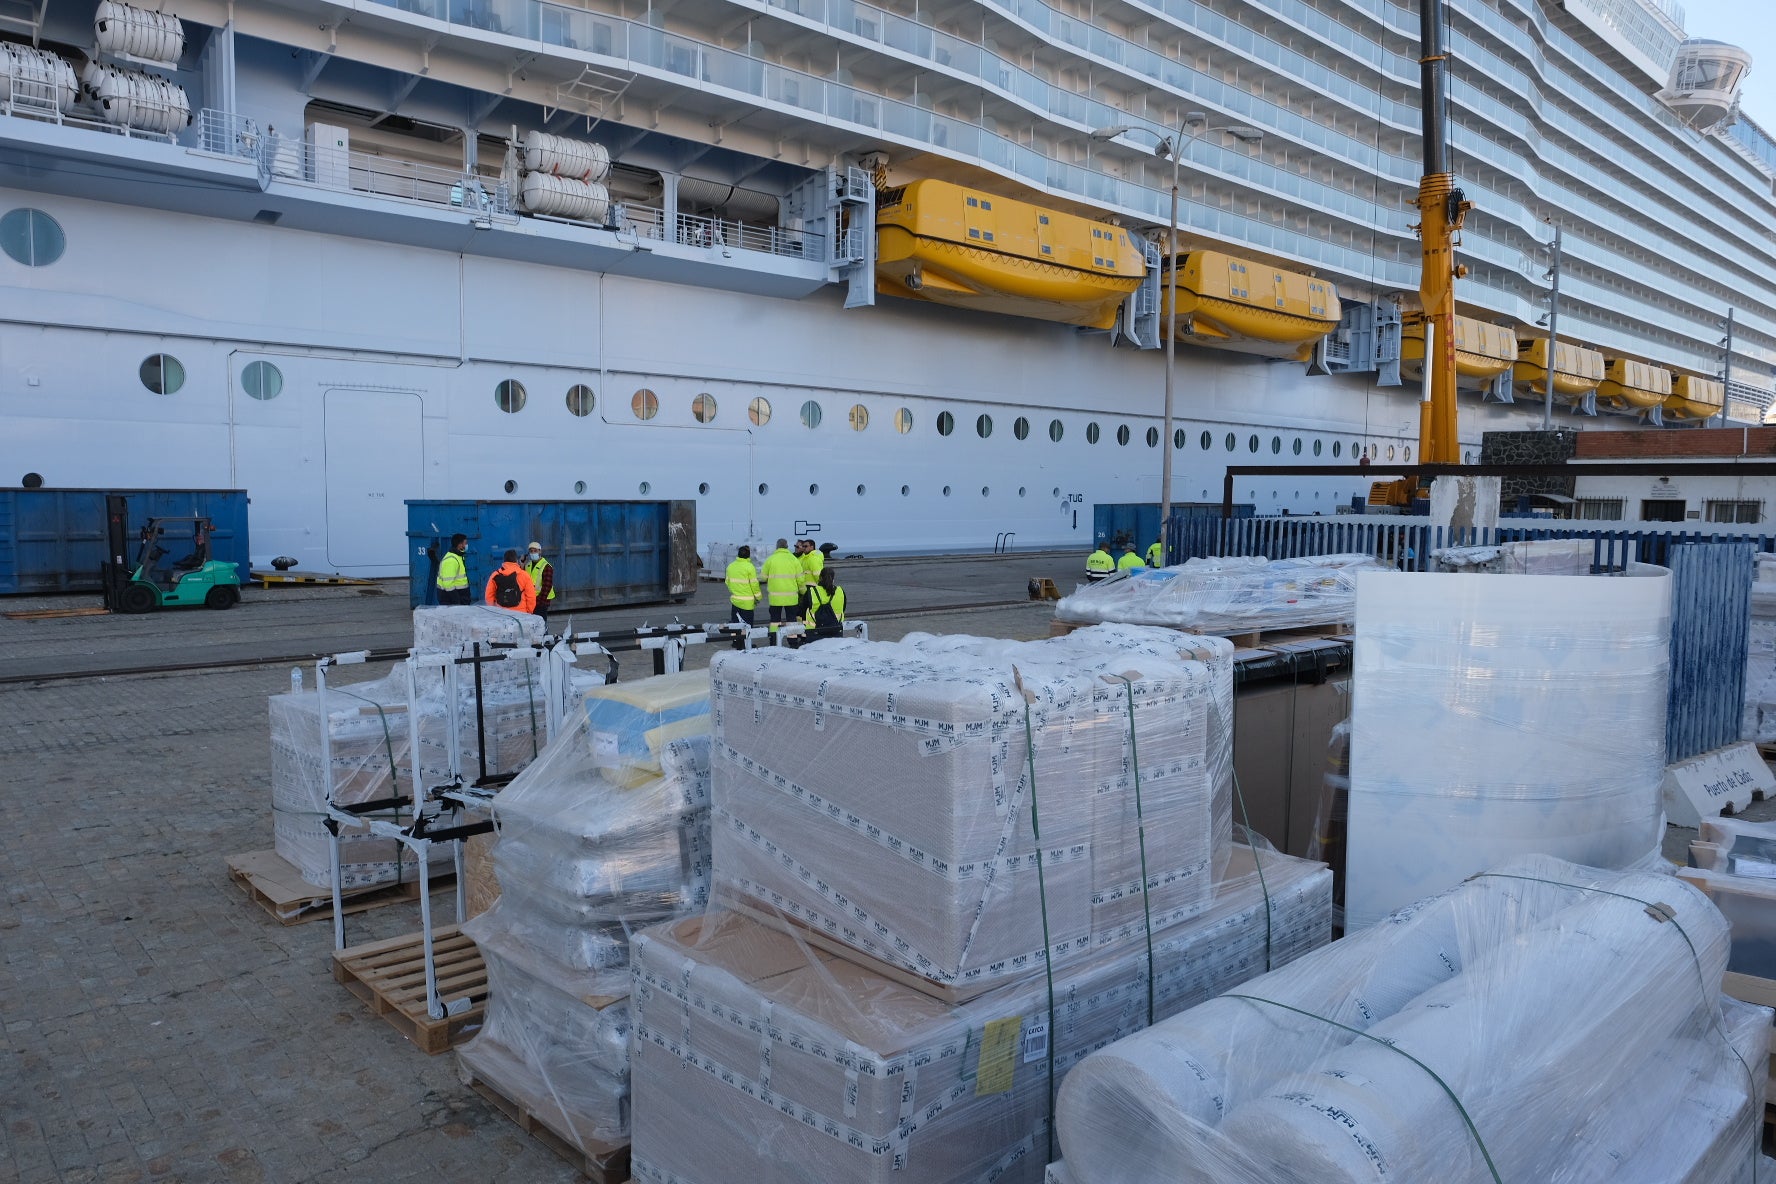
(344, 170)
(30, 98)
(226, 133)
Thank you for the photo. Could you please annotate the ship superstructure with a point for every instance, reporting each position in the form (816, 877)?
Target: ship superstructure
(836, 268)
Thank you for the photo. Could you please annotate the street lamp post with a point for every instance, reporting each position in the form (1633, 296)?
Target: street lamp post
(1195, 124)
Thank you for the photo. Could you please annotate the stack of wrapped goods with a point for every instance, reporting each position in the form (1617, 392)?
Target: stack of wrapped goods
(606, 832)
(353, 744)
(1233, 595)
(947, 869)
(1543, 1021)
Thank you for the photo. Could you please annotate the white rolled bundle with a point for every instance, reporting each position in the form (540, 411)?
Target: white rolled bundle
(126, 29)
(581, 160)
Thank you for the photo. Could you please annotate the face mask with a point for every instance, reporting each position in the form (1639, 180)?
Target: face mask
(534, 556)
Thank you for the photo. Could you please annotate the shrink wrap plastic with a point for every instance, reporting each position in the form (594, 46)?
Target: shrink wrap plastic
(1496, 715)
(1737, 869)
(885, 794)
(1547, 557)
(1760, 658)
(759, 1058)
(1543, 1022)
(1235, 595)
(606, 832)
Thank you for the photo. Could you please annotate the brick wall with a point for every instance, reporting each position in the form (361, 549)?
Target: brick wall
(1691, 443)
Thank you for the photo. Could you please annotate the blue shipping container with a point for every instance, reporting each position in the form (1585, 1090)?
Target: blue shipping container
(1136, 524)
(53, 540)
(604, 553)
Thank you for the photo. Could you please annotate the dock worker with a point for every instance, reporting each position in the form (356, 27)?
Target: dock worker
(812, 560)
(743, 590)
(509, 587)
(542, 575)
(1156, 554)
(783, 585)
(1099, 565)
(1130, 561)
(825, 615)
(453, 573)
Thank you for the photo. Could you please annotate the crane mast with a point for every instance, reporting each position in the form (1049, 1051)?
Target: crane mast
(1441, 208)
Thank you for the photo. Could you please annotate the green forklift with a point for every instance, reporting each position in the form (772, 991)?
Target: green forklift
(172, 569)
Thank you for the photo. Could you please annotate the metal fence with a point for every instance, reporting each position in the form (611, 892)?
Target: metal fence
(226, 133)
(327, 167)
(1710, 636)
(720, 233)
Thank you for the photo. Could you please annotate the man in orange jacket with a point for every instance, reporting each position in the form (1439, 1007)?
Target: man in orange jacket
(511, 587)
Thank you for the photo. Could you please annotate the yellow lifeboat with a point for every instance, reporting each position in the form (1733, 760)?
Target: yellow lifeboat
(1483, 351)
(966, 248)
(1695, 398)
(1630, 385)
(1237, 304)
(1577, 370)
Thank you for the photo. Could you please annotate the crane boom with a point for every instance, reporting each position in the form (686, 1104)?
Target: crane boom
(1441, 208)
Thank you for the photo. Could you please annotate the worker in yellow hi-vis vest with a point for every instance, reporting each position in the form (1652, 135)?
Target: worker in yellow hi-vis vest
(1156, 554)
(1099, 565)
(453, 573)
(783, 584)
(743, 590)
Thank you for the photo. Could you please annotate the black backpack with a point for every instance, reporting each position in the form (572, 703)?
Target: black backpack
(505, 589)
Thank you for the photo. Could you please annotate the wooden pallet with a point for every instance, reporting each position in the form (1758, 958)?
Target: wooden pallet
(1250, 640)
(273, 883)
(599, 1161)
(390, 977)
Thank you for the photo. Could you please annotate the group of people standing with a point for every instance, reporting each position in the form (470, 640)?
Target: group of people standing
(1100, 564)
(526, 586)
(795, 585)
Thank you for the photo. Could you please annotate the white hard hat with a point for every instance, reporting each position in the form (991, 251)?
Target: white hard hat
(536, 546)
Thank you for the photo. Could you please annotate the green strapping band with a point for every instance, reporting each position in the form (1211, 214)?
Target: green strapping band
(1047, 942)
(1141, 835)
(1461, 1109)
(388, 743)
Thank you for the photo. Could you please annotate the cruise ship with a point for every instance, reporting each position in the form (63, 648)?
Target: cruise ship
(896, 276)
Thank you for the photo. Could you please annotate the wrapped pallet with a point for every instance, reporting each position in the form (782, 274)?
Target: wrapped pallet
(607, 832)
(888, 797)
(1486, 1034)
(758, 1057)
(1234, 595)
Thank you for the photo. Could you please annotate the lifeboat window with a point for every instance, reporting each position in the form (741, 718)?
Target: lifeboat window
(1336, 449)
(759, 411)
(1178, 438)
(973, 201)
(1153, 437)
(703, 408)
(31, 237)
(1122, 434)
(811, 414)
(1042, 219)
(1056, 429)
(1091, 433)
(1252, 442)
(580, 399)
(1276, 445)
(1316, 447)
(262, 380)
(946, 423)
(903, 420)
(1020, 427)
(509, 396)
(983, 426)
(1207, 441)
(1297, 446)
(1047, 250)
(162, 373)
(1230, 442)
(985, 204)
(645, 404)
(859, 417)
(973, 233)
(988, 236)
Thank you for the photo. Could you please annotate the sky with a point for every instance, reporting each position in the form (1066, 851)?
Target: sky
(1751, 25)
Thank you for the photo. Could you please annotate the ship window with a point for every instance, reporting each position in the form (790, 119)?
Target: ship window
(645, 404)
(1467, 458)
(1022, 491)
(810, 414)
(759, 411)
(1356, 448)
(813, 491)
(1230, 442)
(262, 380)
(1317, 445)
(1276, 445)
(903, 420)
(973, 202)
(1296, 447)
(905, 489)
(1091, 433)
(946, 491)
(703, 408)
(31, 237)
(763, 489)
(1252, 442)
(988, 236)
(1047, 250)
(644, 488)
(1390, 452)
(859, 417)
(1042, 218)
(946, 423)
(983, 426)
(1122, 434)
(860, 491)
(1207, 441)
(162, 373)
(510, 487)
(703, 488)
(985, 204)
(1153, 437)
(1057, 491)
(579, 487)
(509, 396)
(1056, 429)
(580, 399)
(1336, 449)
(1407, 454)
(1020, 427)
(1179, 439)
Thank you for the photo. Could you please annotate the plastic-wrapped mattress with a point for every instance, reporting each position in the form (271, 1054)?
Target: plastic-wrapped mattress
(1237, 595)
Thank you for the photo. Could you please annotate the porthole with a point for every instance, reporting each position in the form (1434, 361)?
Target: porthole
(162, 373)
(644, 488)
(1056, 429)
(1020, 428)
(903, 420)
(580, 399)
(1336, 449)
(1232, 442)
(905, 490)
(1022, 491)
(1153, 437)
(1252, 442)
(946, 491)
(1296, 447)
(510, 487)
(1390, 452)
(1057, 491)
(509, 396)
(1206, 440)
(645, 404)
(1091, 433)
(946, 423)
(860, 491)
(1357, 448)
(579, 487)
(811, 414)
(759, 411)
(763, 489)
(1122, 434)
(262, 381)
(1407, 454)
(1179, 439)
(703, 488)
(703, 408)
(983, 426)
(32, 481)
(813, 490)
(1316, 447)
(32, 237)
(859, 417)
(1276, 445)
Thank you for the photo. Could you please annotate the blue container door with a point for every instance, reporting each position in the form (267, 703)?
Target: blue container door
(429, 527)
(630, 553)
